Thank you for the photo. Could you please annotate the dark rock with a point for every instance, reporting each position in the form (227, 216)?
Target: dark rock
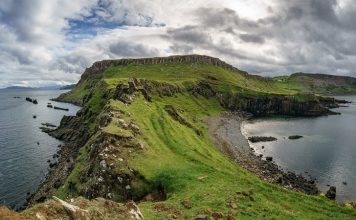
(41, 199)
(34, 116)
(49, 125)
(35, 102)
(331, 193)
(203, 89)
(217, 215)
(269, 158)
(59, 108)
(263, 147)
(294, 137)
(256, 139)
(345, 183)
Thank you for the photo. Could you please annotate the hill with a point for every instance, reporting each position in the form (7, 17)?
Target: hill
(142, 135)
(318, 83)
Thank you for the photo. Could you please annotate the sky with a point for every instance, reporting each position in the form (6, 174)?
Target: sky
(51, 42)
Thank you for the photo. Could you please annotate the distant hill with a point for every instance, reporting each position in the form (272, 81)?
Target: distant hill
(55, 87)
(18, 88)
(70, 86)
(318, 83)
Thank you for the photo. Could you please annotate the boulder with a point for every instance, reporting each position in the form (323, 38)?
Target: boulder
(269, 158)
(331, 193)
(294, 137)
(201, 217)
(256, 139)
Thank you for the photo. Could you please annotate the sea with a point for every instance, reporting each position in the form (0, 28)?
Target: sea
(326, 152)
(24, 148)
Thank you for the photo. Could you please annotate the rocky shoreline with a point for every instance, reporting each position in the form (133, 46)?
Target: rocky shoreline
(226, 133)
(72, 133)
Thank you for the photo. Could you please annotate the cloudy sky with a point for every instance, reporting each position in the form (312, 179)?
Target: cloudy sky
(46, 42)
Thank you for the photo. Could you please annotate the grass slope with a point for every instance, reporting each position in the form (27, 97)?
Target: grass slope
(196, 176)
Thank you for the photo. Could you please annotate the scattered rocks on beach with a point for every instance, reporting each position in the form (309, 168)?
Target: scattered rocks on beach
(331, 193)
(256, 139)
(295, 137)
(243, 155)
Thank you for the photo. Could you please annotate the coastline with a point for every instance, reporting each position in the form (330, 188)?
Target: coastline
(226, 133)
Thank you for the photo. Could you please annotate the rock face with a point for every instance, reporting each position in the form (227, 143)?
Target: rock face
(278, 104)
(331, 193)
(101, 66)
(73, 132)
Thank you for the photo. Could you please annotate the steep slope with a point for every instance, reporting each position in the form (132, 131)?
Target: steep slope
(318, 83)
(143, 137)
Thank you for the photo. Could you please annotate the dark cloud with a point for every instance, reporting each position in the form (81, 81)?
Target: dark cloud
(42, 40)
(130, 49)
(250, 38)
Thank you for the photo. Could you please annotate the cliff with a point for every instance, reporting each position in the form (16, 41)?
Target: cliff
(141, 136)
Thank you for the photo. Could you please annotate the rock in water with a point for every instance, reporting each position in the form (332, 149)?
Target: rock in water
(294, 137)
(256, 139)
(269, 158)
(331, 193)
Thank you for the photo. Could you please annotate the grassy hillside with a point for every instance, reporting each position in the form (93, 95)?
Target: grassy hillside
(156, 149)
(317, 83)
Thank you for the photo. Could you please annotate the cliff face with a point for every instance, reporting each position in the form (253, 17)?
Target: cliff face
(278, 105)
(100, 66)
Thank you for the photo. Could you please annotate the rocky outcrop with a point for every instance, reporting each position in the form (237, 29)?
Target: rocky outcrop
(75, 135)
(99, 67)
(125, 92)
(79, 209)
(257, 139)
(331, 193)
(269, 104)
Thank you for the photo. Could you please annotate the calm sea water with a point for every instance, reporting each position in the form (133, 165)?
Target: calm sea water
(327, 151)
(24, 149)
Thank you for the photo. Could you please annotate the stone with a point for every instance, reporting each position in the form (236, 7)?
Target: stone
(269, 158)
(201, 217)
(103, 164)
(331, 193)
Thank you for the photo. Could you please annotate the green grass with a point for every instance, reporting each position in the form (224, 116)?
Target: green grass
(187, 165)
(184, 74)
(176, 157)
